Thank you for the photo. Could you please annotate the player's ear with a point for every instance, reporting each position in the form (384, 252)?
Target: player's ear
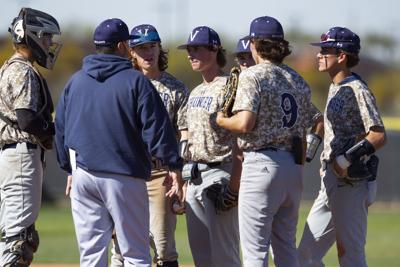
(342, 57)
(123, 49)
(132, 53)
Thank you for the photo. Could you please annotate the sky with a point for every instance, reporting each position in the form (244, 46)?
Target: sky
(174, 19)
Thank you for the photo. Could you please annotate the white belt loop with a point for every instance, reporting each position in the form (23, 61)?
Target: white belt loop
(72, 159)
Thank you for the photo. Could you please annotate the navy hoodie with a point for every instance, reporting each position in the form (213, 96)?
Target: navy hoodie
(114, 119)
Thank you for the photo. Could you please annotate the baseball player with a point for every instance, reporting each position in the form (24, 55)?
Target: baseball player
(149, 57)
(272, 112)
(353, 131)
(213, 236)
(243, 55)
(26, 131)
(110, 121)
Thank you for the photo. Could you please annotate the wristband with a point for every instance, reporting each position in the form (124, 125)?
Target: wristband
(343, 162)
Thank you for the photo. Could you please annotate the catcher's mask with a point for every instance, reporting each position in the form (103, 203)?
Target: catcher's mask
(31, 27)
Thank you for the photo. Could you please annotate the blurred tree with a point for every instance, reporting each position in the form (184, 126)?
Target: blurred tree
(385, 87)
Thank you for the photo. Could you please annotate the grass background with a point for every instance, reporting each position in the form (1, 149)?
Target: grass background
(58, 242)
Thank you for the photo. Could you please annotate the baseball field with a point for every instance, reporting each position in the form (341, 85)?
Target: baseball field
(58, 246)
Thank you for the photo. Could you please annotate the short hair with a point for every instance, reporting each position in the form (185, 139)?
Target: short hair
(272, 49)
(107, 49)
(162, 59)
(352, 59)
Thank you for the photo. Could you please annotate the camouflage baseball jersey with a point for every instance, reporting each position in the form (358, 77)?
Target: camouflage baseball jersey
(174, 95)
(19, 89)
(281, 99)
(349, 113)
(207, 141)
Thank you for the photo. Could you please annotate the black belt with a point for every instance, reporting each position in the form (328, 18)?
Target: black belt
(14, 145)
(273, 148)
(214, 164)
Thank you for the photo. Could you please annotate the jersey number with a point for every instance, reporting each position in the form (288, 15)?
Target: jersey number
(289, 108)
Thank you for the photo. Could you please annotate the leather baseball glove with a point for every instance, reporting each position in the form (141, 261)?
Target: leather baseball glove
(361, 170)
(222, 197)
(230, 92)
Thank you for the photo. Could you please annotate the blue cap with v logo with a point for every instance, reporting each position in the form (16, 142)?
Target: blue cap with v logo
(144, 33)
(202, 35)
(243, 45)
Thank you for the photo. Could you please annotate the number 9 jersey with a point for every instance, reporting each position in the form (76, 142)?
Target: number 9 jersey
(282, 101)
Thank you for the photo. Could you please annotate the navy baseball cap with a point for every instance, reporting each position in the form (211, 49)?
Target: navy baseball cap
(111, 31)
(243, 45)
(202, 35)
(144, 33)
(340, 38)
(266, 27)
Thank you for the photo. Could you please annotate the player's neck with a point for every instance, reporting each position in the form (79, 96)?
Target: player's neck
(153, 73)
(259, 60)
(339, 75)
(211, 73)
(26, 54)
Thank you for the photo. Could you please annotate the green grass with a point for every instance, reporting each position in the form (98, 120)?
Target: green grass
(58, 242)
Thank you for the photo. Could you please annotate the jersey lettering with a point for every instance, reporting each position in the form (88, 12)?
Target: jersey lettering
(201, 102)
(290, 109)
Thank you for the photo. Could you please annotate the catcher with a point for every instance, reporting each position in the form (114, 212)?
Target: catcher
(26, 132)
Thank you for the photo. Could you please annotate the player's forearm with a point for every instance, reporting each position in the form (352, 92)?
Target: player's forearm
(377, 137)
(234, 182)
(236, 172)
(241, 122)
(318, 127)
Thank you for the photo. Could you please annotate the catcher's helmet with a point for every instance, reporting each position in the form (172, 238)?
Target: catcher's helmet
(29, 28)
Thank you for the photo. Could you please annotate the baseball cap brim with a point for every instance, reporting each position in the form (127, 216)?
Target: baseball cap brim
(141, 43)
(327, 44)
(185, 46)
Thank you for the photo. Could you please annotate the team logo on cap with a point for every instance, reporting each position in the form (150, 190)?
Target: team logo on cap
(325, 37)
(145, 32)
(245, 43)
(192, 36)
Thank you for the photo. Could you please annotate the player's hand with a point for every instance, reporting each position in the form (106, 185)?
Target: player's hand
(174, 184)
(69, 184)
(178, 206)
(220, 117)
(340, 172)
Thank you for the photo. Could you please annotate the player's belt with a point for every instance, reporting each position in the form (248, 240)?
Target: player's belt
(274, 148)
(14, 145)
(214, 164)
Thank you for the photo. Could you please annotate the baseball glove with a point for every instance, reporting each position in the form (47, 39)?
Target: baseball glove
(222, 197)
(361, 170)
(230, 92)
